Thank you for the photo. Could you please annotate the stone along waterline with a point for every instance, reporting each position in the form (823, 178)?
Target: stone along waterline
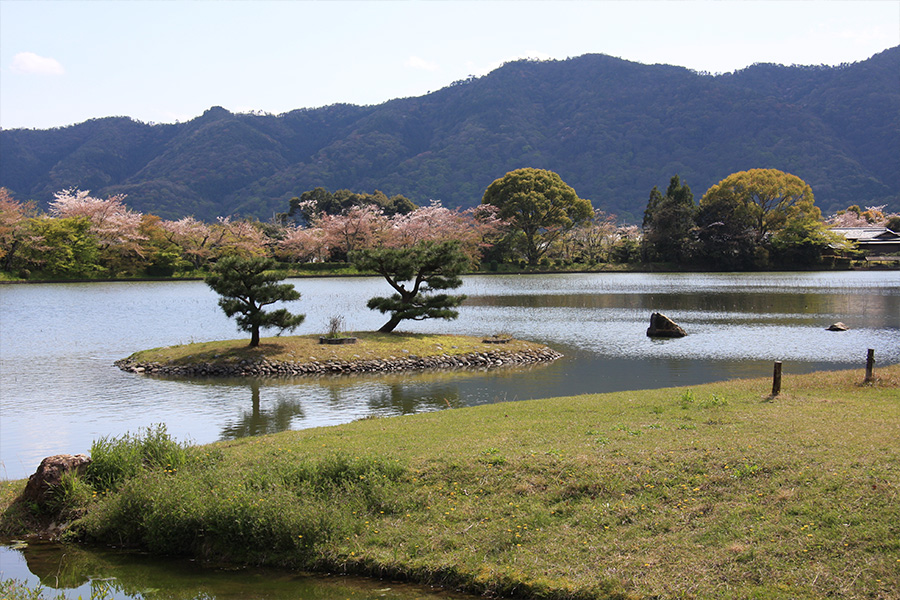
(274, 368)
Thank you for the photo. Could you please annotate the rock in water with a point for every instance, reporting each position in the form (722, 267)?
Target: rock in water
(663, 326)
(50, 473)
(838, 327)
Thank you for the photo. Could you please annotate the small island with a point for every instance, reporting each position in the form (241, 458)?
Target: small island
(373, 352)
(248, 285)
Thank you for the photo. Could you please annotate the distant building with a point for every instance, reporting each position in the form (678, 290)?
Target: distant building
(873, 241)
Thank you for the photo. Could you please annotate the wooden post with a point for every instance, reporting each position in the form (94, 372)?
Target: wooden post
(776, 379)
(870, 366)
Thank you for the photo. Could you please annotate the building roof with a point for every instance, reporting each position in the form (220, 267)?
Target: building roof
(867, 234)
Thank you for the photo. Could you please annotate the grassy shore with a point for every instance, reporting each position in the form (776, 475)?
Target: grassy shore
(714, 491)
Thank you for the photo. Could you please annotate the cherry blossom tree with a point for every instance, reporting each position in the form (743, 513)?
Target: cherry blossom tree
(14, 229)
(359, 227)
(192, 236)
(116, 228)
(854, 216)
(591, 241)
(304, 244)
(112, 223)
(238, 237)
(627, 244)
(473, 228)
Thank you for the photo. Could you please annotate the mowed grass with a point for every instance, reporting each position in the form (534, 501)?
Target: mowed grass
(714, 491)
(306, 348)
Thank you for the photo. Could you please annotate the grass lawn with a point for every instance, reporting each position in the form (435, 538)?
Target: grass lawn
(714, 491)
(304, 348)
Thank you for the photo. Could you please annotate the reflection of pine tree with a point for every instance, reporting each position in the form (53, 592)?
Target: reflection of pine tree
(259, 422)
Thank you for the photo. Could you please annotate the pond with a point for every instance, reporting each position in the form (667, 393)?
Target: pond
(59, 389)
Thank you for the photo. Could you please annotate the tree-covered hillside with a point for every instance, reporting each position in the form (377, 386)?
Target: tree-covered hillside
(611, 128)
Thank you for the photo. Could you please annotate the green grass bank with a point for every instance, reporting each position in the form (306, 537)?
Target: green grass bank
(714, 491)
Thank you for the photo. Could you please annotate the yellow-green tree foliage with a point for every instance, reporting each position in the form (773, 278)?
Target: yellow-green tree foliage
(539, 205)
(768, 198)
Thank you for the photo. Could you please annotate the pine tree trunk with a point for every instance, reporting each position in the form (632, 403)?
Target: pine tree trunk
(390, 325)
(254, 337)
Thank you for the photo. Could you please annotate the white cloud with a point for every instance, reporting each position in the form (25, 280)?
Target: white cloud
(414, 62)
(31, 63)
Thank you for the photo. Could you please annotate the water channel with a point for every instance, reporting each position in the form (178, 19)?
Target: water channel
(59, 389)
(111, 574)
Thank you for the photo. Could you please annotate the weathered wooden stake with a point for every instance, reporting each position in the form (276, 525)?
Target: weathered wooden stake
(870, 366)
(776, 379)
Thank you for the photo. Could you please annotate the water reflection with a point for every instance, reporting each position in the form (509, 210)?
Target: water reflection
(125, 575)
(753, 305)
(277, 404)
(261, 422)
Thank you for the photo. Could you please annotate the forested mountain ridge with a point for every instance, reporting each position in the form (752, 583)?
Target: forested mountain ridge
(611, 128)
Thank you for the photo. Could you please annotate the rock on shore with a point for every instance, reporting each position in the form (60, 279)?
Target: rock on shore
(50, 473)
(263, 368)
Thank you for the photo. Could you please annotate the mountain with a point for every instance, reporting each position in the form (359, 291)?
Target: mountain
(611, 128)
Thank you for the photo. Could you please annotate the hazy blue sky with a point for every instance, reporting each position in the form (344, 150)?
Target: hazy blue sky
(165, 60)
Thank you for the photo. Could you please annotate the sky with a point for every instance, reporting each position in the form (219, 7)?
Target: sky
(164, 61)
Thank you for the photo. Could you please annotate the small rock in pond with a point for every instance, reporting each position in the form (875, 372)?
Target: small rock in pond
(663, 326)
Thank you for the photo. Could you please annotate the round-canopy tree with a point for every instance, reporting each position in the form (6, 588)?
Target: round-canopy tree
(769, 197)
(539, 205)
(742, 216)
(246, 286)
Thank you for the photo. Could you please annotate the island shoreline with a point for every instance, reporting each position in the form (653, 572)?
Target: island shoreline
(264, 368)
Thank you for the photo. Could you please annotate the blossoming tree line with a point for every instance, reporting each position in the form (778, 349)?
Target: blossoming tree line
(83, 236)
(528, 218)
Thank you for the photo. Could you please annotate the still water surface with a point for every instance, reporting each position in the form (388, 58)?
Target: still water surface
(59, 389)
(129, 575)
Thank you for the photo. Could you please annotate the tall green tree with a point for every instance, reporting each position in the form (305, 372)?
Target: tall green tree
(753, 207)
(415, 273)
(63, 247)
(669, 222)
(771, 198)
(540, 207)
(727, 239)
(247, 285)
(319, 201)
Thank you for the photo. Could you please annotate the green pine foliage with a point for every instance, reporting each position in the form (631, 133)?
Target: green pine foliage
(247, 285)
(416, 273)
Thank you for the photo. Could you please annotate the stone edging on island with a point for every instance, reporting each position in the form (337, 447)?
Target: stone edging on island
(263, 368)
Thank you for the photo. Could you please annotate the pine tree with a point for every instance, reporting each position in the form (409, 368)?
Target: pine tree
(415, 272)
(246, 286)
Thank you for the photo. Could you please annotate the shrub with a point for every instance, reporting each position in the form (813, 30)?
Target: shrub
(268, 512)
(114, 460)
(69, 498)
